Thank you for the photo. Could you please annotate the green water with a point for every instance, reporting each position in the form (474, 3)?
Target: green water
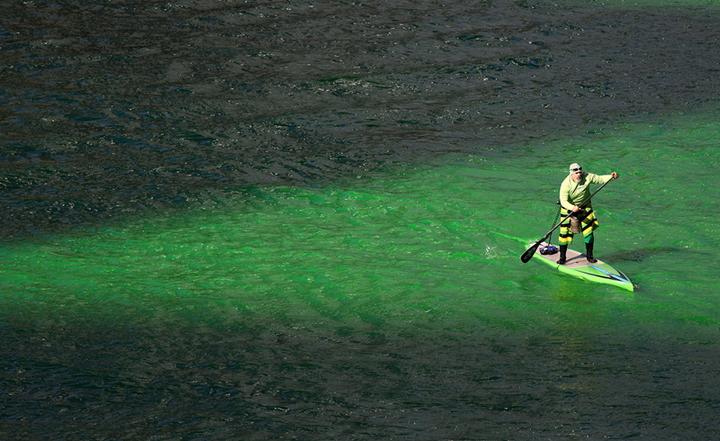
(387, 306)
(408, 248)
(382, 307)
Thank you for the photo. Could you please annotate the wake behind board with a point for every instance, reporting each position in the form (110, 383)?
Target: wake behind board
(576, 265)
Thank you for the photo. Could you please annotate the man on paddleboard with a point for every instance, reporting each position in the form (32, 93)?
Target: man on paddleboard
(575, 199)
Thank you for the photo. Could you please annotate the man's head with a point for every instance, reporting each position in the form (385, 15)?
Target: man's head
(576, 171)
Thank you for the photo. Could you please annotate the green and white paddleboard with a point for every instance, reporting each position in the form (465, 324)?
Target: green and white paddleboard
(576, 265)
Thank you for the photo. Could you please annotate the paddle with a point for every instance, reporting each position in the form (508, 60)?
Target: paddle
(527, 255)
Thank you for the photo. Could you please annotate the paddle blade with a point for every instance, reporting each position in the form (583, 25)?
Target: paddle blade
(527, 255)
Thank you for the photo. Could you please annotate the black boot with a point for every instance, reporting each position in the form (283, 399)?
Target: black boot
(589, 252)
(563, 253)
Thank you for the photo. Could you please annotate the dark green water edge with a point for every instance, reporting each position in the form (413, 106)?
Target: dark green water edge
(637, 4)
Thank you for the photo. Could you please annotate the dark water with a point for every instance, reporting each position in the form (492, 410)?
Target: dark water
(189, 254)
(123, 384)
(116, 107)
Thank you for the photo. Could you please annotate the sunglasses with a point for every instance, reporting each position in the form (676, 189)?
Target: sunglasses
(576, 169)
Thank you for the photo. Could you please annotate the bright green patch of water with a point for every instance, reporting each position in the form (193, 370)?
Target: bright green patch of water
(413, 249)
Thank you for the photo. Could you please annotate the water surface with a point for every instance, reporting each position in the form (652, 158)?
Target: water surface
(274, 220)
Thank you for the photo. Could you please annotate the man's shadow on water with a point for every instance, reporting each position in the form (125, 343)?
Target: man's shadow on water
(640, 254)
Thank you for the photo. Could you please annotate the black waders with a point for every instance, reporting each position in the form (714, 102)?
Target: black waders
(563, 254)
(589, 252)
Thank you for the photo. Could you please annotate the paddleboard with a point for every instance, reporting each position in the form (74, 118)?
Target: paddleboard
(576, 265)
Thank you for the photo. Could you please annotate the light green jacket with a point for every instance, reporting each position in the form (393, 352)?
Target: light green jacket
(578, 193)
